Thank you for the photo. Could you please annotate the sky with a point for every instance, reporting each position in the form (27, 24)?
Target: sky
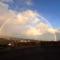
(50, 9)
(30, 18)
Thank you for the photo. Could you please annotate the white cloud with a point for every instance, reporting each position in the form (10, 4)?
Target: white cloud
(32, 32)
(51, 30)
(42, 27)
(5, 14)
(28, 22)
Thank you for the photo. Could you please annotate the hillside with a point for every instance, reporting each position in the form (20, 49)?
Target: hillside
(20, 42)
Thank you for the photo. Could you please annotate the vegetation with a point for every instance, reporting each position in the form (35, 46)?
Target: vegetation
(15, 42)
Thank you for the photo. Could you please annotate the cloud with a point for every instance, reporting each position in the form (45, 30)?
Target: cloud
(51, 30)
(6, 0)
(32, 32)
(27, 16)
(42, 27)
(5, 13)
(26, 23)
(29, 2)
(29, 19)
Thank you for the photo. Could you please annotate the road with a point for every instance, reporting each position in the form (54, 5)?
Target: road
(30, 53)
